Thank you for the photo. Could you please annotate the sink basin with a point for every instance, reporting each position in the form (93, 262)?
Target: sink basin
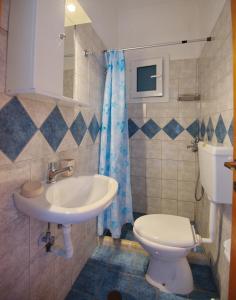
(70, 201)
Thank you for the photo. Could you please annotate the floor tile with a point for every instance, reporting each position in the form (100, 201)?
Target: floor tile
(165, 296)
(79, 296)
(132, 263)
(139, 289)
(203, 278)
(203, 295)
(90, 278)
(113, 281)
(103, 254)
(111, 269)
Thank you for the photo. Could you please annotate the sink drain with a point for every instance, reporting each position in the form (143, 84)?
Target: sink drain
(114, 295)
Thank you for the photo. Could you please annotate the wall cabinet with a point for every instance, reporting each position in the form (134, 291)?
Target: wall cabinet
(35, 58)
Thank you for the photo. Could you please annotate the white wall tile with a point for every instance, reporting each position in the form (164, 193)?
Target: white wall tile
(215, 86)
(153, 187)
(169, 206)
(169, 189)
(24, 278)
(186, 190)
(169, 169)
(154, 168)
(186, 171)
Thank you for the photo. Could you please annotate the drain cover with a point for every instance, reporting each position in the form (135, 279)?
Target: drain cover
(114, 295)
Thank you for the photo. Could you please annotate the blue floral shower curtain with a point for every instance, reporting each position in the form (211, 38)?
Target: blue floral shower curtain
(114, 149)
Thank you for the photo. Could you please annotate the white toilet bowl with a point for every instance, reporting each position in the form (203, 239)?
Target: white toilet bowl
(168, 239)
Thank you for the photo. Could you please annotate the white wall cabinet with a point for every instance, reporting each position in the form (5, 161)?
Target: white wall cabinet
(35, 58)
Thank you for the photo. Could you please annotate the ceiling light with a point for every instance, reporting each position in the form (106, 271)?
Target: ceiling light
(71, 7)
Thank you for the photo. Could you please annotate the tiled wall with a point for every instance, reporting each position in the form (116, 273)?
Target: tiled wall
(163, 170)
(33, 133)
(215, 81)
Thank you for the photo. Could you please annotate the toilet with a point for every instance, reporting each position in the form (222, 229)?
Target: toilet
(168, 239)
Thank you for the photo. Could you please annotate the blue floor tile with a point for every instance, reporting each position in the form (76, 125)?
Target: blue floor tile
(90, 278)
(79, 296)
(139, 289)
(103, 254)
(113, 281)
(166, 296)
(203, 295)
(203, 278)
(111, 269)
(139, 264)
(132, 263)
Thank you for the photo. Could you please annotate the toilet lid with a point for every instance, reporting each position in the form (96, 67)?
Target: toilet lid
(167, 230)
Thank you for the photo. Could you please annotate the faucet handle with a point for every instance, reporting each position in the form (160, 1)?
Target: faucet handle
(52, 166)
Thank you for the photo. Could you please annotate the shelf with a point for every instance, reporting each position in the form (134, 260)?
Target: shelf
(44, 97)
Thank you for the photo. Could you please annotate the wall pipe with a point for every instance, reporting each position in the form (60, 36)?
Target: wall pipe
(68, 250)
(212, 224)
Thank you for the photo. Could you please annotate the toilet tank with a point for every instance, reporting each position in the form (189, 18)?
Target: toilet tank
(216, 179)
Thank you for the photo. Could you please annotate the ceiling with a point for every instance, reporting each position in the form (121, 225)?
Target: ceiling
(126, 23)
(76, 17)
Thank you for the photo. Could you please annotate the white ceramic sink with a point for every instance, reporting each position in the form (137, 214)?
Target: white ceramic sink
(70, 201)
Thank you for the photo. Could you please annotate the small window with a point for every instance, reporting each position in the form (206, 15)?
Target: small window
(147, 78)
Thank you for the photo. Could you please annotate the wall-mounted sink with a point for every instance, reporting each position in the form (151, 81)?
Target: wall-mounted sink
(70, 201)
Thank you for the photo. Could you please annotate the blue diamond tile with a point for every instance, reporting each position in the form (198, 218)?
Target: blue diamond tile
(150, 128)
(220, 130)
(133, 128)
(210, 130)
(173, 129)
(16, 128)
(94, 128)
(78, 128)
(54, 128)
(193, 129)
(203, 129)
(231, 132)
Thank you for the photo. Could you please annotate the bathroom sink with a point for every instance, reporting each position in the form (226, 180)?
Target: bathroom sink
(71, 200)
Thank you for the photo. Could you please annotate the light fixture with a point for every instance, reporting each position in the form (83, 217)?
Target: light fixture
(71, 7)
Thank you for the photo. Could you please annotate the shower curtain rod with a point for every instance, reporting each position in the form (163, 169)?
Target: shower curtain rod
(207, 39)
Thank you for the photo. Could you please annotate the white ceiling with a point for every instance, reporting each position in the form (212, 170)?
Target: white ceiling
(76, 17)
(124, 23)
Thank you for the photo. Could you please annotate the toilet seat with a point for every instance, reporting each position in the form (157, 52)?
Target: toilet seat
(167, 230)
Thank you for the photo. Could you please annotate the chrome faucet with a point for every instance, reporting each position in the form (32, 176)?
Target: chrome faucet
(54, 171)
(194, 145)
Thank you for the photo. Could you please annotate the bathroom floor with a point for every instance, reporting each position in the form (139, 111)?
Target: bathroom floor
(111, 268)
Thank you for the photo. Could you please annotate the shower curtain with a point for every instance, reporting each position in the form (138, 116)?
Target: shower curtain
(114, 148)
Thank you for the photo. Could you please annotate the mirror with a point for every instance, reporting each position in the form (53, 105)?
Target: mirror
(69, 63)
(74, 15)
